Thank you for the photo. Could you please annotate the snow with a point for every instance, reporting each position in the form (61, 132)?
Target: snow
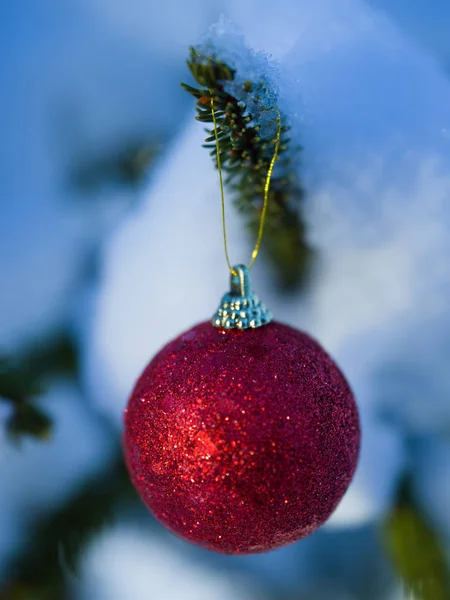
(227, 42)
(130, 562)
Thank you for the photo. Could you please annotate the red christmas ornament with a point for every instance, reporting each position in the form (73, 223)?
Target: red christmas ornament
(242, 441)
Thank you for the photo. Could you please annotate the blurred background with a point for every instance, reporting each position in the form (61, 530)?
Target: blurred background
(102, 174)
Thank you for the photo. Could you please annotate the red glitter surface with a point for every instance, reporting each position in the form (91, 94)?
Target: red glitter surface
(242, 441)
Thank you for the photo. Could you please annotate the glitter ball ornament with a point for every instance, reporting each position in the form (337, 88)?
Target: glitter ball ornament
(242, 439)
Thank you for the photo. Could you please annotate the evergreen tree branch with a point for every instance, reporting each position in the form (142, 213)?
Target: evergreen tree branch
(56, 542)
(125, 166)
(21, 380)
(415, 550)
(245, 152)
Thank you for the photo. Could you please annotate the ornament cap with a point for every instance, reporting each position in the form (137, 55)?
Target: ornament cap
(240, 308)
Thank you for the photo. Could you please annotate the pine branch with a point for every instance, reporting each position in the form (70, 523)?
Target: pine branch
(415, 550)
(246, 150)
(22, 380)
(126, 166)
(56, 543)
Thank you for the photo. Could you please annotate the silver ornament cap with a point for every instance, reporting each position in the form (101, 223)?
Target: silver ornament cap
(240, 308)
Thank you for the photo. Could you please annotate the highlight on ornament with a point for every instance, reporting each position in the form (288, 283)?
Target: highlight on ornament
(242, 434)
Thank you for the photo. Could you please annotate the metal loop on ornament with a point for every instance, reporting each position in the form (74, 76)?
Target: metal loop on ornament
(240, 308)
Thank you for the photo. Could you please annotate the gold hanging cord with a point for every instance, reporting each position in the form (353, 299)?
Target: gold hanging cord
(266, 190)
